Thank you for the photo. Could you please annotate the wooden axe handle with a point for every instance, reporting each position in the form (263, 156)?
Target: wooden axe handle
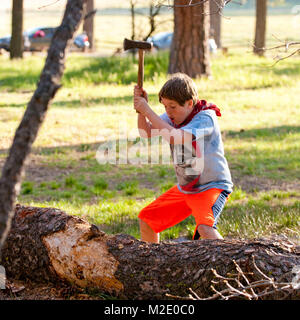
(140, 79)
(141, 68)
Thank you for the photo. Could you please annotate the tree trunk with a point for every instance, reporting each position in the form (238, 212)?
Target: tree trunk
(88, 24)
(190, 50)
(35, 113)
(17, 42)
(46, 244)
(260, 28)
(132, 12)
(215, 8)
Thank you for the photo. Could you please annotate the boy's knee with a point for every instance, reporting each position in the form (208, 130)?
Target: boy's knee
(144, 225)
(207, 232)
(142, 222)
(202, 229)
(147, 233)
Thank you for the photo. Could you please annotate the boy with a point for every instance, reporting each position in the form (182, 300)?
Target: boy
(204, 180)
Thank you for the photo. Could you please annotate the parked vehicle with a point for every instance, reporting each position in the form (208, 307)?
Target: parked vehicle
(38, 39)
(163, 40)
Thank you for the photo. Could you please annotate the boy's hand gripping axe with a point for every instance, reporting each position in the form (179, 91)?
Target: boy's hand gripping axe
(142, 46)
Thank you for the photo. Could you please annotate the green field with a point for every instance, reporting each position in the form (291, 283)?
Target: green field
(260, 121)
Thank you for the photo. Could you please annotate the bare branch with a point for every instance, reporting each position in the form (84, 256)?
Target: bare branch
(48, 5)
(190, 3)
(286, 45)
(264, 287)
(90, 14)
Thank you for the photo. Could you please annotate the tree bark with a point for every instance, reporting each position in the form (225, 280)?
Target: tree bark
(35, 113)
(190, 50)
(215, 8)
(88, 24)
(46, 244)
(260, 27)
(132, 12)
(17, 42)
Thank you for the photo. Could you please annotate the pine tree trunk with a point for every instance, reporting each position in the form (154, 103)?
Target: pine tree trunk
(190, 50)
(46, 244)
(17, 42)
(215, 21)
(88, 25)
(260, 28)
(35, 113)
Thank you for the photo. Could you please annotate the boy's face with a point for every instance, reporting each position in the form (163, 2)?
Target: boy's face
(175, 111)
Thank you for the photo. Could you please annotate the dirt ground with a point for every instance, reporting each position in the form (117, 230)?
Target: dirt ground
(39, 173)
(26, 290)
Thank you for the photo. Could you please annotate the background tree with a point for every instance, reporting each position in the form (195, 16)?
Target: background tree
(189, 50)
(88, 23)
(132, 12)
(35, 114)
(153, 14)
(17, 43)
(260, 27)
(216, 9)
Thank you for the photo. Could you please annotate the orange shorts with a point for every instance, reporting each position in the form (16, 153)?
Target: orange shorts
(174, 206)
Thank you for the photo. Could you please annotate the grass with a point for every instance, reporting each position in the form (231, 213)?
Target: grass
(260, 125)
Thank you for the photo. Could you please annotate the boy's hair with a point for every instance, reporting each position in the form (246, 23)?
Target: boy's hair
(181, 88)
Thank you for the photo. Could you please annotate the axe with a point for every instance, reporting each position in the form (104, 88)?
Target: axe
(142, 46)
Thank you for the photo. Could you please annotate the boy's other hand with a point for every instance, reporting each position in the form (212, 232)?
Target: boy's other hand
(140, 105)
(140, 100)
(140, 92)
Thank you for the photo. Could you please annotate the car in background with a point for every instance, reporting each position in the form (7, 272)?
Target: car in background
(163, 41)
(38, 39)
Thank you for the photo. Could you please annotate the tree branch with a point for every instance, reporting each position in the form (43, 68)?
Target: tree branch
(190, 3)
(286, 45)
(271, 287)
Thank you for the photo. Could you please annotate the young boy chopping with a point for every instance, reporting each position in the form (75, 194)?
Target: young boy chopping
(204, 181)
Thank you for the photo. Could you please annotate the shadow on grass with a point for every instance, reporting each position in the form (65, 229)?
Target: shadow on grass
(106, 101)
(281, 70)
(87, 102)
(270, 134)
(20, 81)
(81, 147)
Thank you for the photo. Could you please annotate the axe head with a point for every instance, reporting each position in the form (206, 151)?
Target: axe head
(132, 44)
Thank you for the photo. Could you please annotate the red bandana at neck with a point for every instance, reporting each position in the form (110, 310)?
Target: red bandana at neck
(201, 105)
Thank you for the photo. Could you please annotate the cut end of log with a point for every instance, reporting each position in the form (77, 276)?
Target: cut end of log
(82, 258)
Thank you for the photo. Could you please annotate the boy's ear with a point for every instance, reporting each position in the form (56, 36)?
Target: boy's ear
(190, 103)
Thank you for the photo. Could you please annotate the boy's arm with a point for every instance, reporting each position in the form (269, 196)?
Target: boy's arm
(169, 133)
(144, 127)
(172, 135)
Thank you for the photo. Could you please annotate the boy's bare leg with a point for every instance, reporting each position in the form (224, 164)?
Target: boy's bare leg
(207, 232)
(147, 234)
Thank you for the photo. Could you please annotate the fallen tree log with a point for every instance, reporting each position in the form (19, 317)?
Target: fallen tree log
(46, 244)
